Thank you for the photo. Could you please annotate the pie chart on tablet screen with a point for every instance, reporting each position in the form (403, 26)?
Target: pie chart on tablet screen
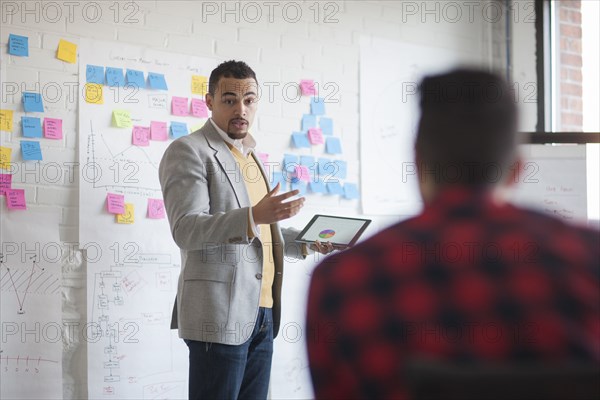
(327, 233)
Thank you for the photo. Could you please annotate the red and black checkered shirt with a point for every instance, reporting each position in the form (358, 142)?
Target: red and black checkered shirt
(467, 280)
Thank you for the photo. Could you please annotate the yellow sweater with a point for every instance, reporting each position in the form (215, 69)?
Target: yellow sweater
(257, 189)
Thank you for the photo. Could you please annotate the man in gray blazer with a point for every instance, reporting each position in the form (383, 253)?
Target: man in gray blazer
(225, 221)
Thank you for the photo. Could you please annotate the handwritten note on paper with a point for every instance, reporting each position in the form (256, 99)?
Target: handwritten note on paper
(307, 87)
(333, 146)
(315, 136)
(135, 78)
(6, 120)
(351, 191)
(115, 77)
(121, 119)
(309, 121)
(127, 217)
(300, 140)
(18, 45)
(32, 102)
(31, 151)
(158, 131)
(115, 203)
(32, 127)
(53, 128)
(199, 108)
(94, 74)
(5, 157)
(157, 81)
(156, 209)
(5, 183)
(140, 136)
(15, 199)
(178, 129)
(199, 85)
(179, 106)
(302, 173)
(317, 106)
(326, 125)
(93, 93)
(67, 51)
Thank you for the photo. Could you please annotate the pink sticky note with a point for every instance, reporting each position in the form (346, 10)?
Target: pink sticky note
(315, 136)
(15, 199)
(302, 173)
(307, 87)
(115, 203)
(5, 183)
(156, 209)
(264, 157)
(179, 106)
(158, 131)
(53, 128)
(199, 108)
(141, 136)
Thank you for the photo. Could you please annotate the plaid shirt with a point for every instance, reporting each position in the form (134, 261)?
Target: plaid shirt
(466, 280)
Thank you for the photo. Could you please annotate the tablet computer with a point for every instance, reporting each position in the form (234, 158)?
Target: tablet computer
(340, 231)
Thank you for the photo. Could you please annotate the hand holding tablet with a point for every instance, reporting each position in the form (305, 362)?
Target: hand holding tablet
(341, 232)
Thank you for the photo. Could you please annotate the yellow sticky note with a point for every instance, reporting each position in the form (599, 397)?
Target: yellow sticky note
(122, 118)
(5, 157)
(67, 51)
(199, 84)
(6, 120)
(127, 217)
(93, 93)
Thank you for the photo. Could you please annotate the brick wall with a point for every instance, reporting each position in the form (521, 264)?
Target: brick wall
(570, 62)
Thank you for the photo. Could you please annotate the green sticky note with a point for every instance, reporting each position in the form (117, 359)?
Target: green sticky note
(121, 119)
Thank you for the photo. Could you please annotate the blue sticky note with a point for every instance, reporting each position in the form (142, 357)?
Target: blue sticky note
(309, 121)
(32, 102)
(300, 139)
(341, 169)
(18, 45)
(135, 78)
(317, 186)
(317, 106)
(351, 191)
(333, 145)
(279, 177)
(157, 81)
(31, 150)
(334, 188)
(178, 129)
(32, 127)
(326, 125)
(325, 167)
(115, 77)
(94, 74)
(308, 161)
(301, 186)
(290, 162)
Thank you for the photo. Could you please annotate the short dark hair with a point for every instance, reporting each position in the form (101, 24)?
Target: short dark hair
(229, 69)
(468, 125)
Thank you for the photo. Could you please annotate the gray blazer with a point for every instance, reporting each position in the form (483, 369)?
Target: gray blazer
(221, 267)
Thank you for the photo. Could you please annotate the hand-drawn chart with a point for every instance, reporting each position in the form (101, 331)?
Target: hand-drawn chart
(31, 305)
(132, 261)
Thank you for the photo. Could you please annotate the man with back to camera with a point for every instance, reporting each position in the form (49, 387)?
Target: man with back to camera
(224, 218)
(433, 285)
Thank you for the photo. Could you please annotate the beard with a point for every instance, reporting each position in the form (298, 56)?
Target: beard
(237, 135)
(239, 132)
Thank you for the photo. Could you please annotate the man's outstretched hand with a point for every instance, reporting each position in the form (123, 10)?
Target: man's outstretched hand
(273, 208)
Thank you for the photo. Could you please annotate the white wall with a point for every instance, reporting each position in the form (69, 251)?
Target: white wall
(280, 50)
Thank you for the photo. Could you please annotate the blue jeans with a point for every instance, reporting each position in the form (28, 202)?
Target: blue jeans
(220, 371)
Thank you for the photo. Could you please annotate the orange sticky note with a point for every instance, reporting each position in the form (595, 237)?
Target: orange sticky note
(67, 51)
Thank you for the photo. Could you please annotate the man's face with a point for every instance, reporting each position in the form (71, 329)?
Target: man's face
(233, 105)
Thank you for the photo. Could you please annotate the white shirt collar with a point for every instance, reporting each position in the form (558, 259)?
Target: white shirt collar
(243, 145)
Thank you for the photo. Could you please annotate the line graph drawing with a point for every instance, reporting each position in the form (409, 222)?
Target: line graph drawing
(21, 282)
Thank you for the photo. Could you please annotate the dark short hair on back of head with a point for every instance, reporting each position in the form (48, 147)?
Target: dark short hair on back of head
(229, 69)
(467, 130)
